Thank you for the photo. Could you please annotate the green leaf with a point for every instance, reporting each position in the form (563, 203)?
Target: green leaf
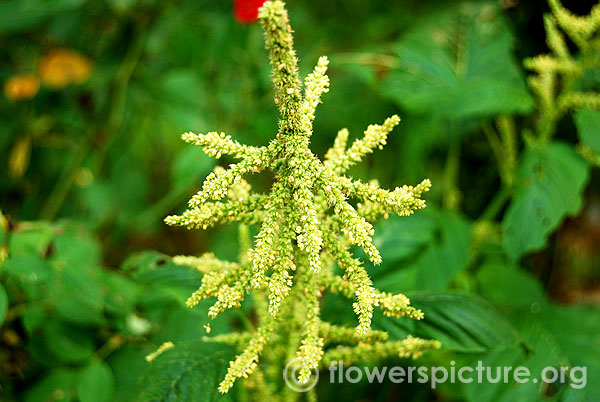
(30, 273)
(550, 180)
(461, 322)
(69, 344)
(32, 238)
(557, 337)
(56, 386)
(76, 247)
(77, 296)
(96, 383)
(158, 269)
(3, 303)
(404, 236)
(423, 251)
(588, 128)
(190, 167)
(17, 15)
(446, 256)
(187, 372)
(459, 63)
(127, 363)
(121, 293)
(510, 287)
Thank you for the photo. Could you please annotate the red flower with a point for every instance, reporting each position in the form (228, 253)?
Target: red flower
(246, 11)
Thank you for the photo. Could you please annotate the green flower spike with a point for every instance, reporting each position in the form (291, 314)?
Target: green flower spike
(307, 224)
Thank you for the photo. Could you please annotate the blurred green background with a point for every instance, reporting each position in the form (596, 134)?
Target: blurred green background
(96, 94)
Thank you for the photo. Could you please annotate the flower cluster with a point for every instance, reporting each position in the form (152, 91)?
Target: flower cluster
(560, 77)
(308, 223)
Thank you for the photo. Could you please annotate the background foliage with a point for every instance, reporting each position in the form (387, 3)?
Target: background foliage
(93, 162)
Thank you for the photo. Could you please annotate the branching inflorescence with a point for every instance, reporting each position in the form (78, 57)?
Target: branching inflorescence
(564, 81)
(307, 224)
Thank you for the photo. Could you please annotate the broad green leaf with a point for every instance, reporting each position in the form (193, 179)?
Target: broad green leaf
(423, 251)
(459, 63)
(510, 287)
(3, 303)
(96, 383)
(575, 330)
(30, 273)
(76, 247)
(34, 317)
(158, 269)
(188, 372)
(32, 238)
(542, 353)
(168, 281)
(401, 237)
(446, 255)
(127, 363)
(461, 322)
(557, 337)
(550, 180)
(77, 296)
(121, 295)
(68, 343)
(588, 128)
(57, 386)
(27, 268)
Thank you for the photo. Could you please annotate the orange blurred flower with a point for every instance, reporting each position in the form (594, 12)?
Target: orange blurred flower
(21, 87)
(62, 67)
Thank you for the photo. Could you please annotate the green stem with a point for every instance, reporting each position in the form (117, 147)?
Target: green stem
(495, 206)
(451, 192)
(114, 119)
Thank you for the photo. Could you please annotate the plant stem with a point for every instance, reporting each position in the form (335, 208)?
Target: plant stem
(494, 206)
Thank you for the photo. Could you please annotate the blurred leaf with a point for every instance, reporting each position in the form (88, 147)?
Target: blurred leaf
(76, 247)
(68, 343)
(96, 383)
(191, 167)
(588, 128)
(121, 293)
(168, 280)
(402, 237)
(187, 372)
(34, 317)
(127, 363)
(423, 251)
(77, 296)
(155, 268)
(56, 386)
(31, 274)
(17, 15)
(122, 5)
(509, 286)
(445, 256)
(183, 100)
(459, 64)
(461, 322)
(3, 303)
(32, 238)
(550, 181)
